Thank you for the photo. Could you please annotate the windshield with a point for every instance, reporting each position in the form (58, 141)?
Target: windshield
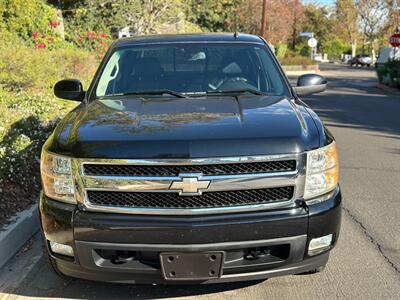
(191, 69)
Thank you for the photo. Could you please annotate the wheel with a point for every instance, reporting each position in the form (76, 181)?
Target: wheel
(368, 65)
(50, 261)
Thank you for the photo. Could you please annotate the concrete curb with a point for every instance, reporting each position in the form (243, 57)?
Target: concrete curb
(17, 233)
(299, 73)
(387, 89)
(300, 70)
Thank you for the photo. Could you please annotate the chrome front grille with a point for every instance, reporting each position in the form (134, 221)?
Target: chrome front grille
(229, 184)
(206, 200)
(207, 169)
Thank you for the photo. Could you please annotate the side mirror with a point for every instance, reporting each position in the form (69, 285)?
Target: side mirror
(310, 84)
(70, 89)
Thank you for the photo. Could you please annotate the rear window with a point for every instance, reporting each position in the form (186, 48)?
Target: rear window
(191, 68)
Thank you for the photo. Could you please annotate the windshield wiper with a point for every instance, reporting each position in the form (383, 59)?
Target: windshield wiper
(240, 91)
(151, 92)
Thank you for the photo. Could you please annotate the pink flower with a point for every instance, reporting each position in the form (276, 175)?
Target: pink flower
(54, 23)
(40, 46)
(91, 35)
(103, 35)
(35, 35)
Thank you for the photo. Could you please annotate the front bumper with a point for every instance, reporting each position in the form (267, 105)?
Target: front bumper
(285, 233)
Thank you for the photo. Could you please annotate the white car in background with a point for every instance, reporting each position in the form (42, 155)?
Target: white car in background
(360, 60)
(318, 57)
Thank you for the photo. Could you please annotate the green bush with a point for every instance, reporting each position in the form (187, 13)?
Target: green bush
(381, 72)
(281, 51)
(29, 113)
(28, 68)
(24, 17)
(335, 48)
(291, 58)
(26, 120)
(392, 68)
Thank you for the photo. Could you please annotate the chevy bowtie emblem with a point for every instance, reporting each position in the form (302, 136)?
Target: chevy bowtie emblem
(189, 186)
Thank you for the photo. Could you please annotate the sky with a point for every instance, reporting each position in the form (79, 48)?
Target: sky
(322, 2)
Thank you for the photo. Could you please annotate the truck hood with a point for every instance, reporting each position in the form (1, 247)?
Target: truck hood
(132, 127)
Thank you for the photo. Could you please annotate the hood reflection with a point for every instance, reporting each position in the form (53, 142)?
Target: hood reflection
(150, 115)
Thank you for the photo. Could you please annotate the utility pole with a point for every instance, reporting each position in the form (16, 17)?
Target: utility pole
(264, 18)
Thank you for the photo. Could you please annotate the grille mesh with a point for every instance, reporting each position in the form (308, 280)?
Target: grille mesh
(207, 170)
(173, 200)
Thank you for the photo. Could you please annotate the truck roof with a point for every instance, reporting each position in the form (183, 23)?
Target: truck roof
(186, 38)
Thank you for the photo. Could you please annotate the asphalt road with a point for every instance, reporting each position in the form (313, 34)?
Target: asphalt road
(366, 262)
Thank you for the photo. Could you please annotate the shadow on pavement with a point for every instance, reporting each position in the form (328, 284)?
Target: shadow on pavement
(41, 283)
(157, 292)
(356, 103)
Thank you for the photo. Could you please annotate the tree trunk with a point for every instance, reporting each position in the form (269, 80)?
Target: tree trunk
(60, 15)
(373, 55)
(353, 48)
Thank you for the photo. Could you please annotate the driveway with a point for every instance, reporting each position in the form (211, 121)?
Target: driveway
(366, 262)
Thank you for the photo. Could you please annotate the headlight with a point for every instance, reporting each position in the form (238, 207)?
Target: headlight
(57, 177)
(322, 171)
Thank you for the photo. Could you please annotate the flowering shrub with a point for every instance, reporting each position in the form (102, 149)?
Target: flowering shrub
(26, 120)
(22, 17)
(50, 37)
(22, 67)
(94, 41)
(29, 113)
(29, 122)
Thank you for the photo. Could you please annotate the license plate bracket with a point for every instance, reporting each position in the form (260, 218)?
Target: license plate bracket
(192, 266)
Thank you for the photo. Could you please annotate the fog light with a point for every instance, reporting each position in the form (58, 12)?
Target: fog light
(320, 244)
(61, 249)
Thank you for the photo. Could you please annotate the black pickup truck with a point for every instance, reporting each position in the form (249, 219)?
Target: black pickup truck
(190, 159)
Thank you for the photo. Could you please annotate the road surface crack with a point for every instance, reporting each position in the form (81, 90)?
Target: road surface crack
(371, 239)
(371, 169)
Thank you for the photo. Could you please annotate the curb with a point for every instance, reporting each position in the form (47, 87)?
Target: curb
(297, 70)
(17, 233)
(299, 73)
(387, 89)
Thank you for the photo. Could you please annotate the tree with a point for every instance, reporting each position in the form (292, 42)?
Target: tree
(280, 15)
(317, 20)
(214, 15)
(392, 23)
(335, 48)
(298, 16)
(346, 16)
(143, 16)
(372, 17)
(249, 16)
